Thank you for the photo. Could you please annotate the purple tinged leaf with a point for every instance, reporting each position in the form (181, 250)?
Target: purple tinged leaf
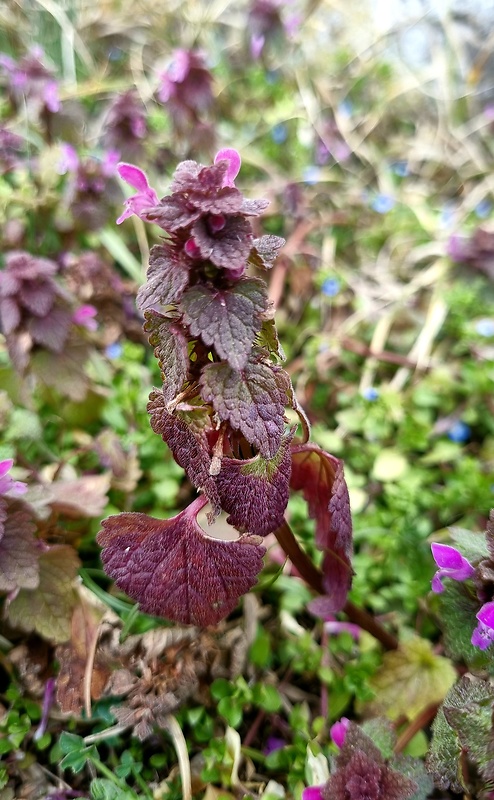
(173, 569)
(255, 492)
(10, 315)
(250, 400)
(190, 447)
(252, 208)
(51, 331)
(451, 564)
(232, 157)
(320, 477)
(19, 550)
(174, 212)
(167, 278)
(171, 349)
(265, 251)
(227, 248)
(37, 296)
(268, 339)
(227, 319)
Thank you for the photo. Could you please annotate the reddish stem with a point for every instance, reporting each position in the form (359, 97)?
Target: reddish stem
(314, 578)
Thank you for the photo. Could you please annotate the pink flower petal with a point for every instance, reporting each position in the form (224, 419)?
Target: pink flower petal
(486, 615)
(233, 157)
(134, 176)
(446, 556)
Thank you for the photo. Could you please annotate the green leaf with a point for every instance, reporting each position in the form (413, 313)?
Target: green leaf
(410, 679)
(231, 709)
(390, 465)
(48, 608)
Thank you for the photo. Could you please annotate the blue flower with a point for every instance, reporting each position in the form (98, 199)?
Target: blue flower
(400, 168)
(459, 432)
(114, 350)
(371, 394)
(279, 133)
(485, 326)
(330, 287)
(382, 203)
(483, 209)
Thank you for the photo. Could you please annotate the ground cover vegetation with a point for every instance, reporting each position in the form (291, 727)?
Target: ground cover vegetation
(293, 317)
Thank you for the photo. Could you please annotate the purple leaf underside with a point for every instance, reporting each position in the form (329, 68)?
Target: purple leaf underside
(189, 446)
(228, 248)
(250, 400)
(319, 476)
(167, 278)
(174, 570)
(228, 320)
(255, 492)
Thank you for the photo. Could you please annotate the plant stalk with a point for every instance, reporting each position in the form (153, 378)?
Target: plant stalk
(314, 578)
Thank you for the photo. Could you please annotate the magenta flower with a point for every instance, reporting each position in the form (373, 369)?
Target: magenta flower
(338, 732)
(234, 163)
(312, 793)
(451, 564)
(85, 316)
(7, 484)
(145, 198)
(483, 635)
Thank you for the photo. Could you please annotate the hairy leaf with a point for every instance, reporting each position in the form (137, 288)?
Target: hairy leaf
(189, 446)
(48, 608)
(227, 248)
(51, 331)
(410, 679)
(265, 251)
(226, 319)
(255, 492)
(167, 278)
(19, 550)
(171, 349)
(463, 725)
(458, 607)
(250, 400)
(268, 338)
(174, 570)
(320, 477)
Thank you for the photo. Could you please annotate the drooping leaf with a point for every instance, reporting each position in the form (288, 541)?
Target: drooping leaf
(167, 278)
(171, 349)
(76, 658)
(250, 400)
(189, 446)
(410, 679)
(47, 609)
(64, 371)
(255, 492)
(19, 550)
(320, 477)
(265, 251)
(226, 319)
(174, 570)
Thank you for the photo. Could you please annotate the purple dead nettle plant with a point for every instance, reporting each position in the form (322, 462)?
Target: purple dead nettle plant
(222, 409)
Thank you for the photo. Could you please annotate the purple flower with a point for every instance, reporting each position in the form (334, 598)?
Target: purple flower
(84, 316)
(186, 85)
(457, 248)
(8, 484)
(312, 793)
(483, 635)
(69, 161)
(338, 732)
(145, 198)
(451, 564)
(48, 698)
(273, 743)
(30, 80)
(332, 625)
(234, 163)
